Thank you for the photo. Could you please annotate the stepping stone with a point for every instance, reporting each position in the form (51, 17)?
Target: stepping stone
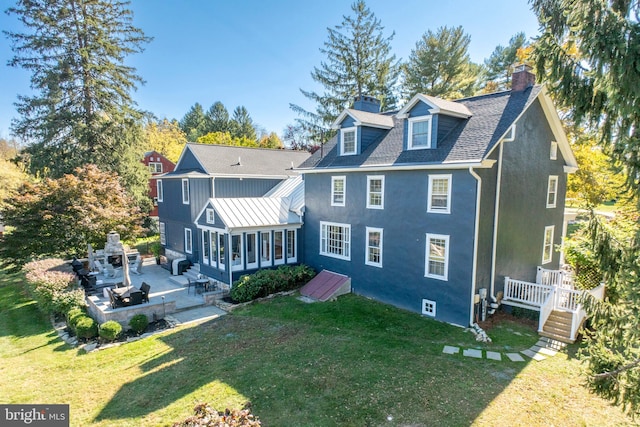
(471, 352)
(518, 333)
(494, 355)
(532, 354)
(448, 349)
(515, 357)
(547, 352)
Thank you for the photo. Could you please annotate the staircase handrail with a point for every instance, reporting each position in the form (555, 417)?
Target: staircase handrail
(546, 309)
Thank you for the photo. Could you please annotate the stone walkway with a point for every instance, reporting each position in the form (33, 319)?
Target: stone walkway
(545, 347)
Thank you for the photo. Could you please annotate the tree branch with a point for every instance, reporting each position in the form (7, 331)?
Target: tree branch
(617, 371)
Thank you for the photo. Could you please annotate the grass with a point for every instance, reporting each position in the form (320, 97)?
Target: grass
(352, 362)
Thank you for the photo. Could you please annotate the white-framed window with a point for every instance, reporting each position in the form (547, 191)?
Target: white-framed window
(278, 247)
(429, 307)
(347, 141)
(155, 167)
(552, 191)
(163, 233)
(188, 242)
(221, 252)
(205, 246)
(185, 191)
(213, 239)
(252, 250)
(547, 248)
(265, 248)
(236, 252)
(373, 254)
(335, 240)
(159, 190)
(211, 217)
(338, 190)
(419, 136)
(437, 256)
(439, 199)
(375, 192)
(292, 252)
(553, 154)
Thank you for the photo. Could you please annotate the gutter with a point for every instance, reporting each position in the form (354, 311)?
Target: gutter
(475, 243)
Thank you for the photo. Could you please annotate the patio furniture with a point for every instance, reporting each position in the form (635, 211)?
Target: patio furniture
(99, 267)
(145, 288)
(113, 272)
(116, 301)
(201, 284)
(135, 298)
(129, 296)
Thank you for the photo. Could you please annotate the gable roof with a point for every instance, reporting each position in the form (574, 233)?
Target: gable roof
(468, 143)
(224, 160)
(364, 118)
(248, 212)
(438, 105)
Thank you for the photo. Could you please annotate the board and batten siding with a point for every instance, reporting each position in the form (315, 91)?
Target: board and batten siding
(243, 187)
(405, 222)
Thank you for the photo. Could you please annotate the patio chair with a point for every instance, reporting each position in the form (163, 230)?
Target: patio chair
(135, 298)
(145, 288)
(115, 301)
(100, 268)
(113, 272)
(137, 265)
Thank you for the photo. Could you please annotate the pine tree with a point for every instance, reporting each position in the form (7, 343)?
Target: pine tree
(359, 62)
(588, 52)
(499, 65)
(81, 110)
(242, 124)
(194, 123)
(218, 118)
(440, 65)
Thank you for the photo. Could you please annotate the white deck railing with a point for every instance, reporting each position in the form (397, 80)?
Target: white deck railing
(561, 278)
(533, 294)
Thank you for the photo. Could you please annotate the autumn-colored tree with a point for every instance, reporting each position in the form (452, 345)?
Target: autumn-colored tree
(270, 141)
(59, 217)
(165, 137)
(225, 138)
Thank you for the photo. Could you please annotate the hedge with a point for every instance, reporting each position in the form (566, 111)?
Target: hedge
(266, 282)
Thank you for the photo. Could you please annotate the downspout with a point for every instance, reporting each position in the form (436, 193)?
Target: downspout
(227, 259)
(494, 248)
(475, 243)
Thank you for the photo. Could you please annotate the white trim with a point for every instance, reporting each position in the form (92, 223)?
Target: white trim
(256, 252)
(343, 131)
(553, 151)
(234, 266)
(188, 241)
(162, 230)
(210, 215)
(213, 243)
(344, 190)
(419, 119)
(404, 111)
(372, 178)
(283, 249)
(480, 164)
(207, 241)
(445, 261)
(159, 190)
(368, 261)
(549, 244)
(510, 134)
(430, 207)
(222, 264)
(294, 258)
(552, 188)
(474, 267)
(358, 122)
(155, 167)
(345, 243)
(431, 305)
(185, 196)
(266, 262)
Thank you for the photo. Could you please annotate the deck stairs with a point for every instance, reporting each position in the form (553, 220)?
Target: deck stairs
(183, 279)
(558, 326)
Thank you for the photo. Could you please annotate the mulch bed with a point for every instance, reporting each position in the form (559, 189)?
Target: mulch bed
(501, 316)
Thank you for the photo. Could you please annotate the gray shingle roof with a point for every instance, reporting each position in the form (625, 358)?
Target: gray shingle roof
(470, 141)
(223, 160)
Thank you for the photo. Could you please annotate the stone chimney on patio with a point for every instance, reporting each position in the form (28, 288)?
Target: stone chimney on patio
(522, 78)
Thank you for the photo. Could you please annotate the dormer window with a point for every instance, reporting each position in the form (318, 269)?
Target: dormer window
(348, 141)
(419, 133)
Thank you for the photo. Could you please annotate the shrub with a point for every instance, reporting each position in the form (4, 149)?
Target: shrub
(205, 415)
(51, 283)
(266, 282)
(110, 330)
(73, 316)
(139, 323)
(86, 327)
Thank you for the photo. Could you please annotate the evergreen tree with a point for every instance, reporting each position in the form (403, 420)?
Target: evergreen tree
(440, 65)
(218, 118)
(499, 65)
(588, 52)
(194, 123)
(359, 62)
(242, 124)
(81, 110)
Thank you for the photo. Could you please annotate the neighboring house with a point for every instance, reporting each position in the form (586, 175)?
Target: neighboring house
(232, 210)
(424, 207)
(157, 164)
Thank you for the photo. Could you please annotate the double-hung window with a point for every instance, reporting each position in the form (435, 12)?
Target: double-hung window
(348, 141)
(155, 167)
(335, 240)
(552, 191)
(375, 192)
(439, 194)
(374, 247)
(419, 133)
(338, 190)
(437, 256)
(188, 242)
(547, 247)
(185, 191)
(159, 190)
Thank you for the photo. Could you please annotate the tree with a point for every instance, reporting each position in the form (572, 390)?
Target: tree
(59, 217)
(81, 110)
(440, 65)
(194, 123)
(165, 137)
(225, 138)
(588, 53)
(297, 138)
(500, 63)
(11, 178)
(358, 63)
(270, 141)
(218, 118)
(242, 125)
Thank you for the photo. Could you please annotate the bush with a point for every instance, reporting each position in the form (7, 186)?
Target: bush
(110, 330)
(266, 282)
(86, 327)
(205, 415)
(139, 323)
(51, 283)
(73, 316)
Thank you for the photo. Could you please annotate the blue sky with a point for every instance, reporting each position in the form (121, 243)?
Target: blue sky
(260, 53)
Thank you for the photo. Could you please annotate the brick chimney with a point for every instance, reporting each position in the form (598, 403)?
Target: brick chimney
(367, 103)
(522, 78)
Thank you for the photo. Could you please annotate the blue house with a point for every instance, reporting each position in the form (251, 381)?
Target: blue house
(232, 210)
(429, 208)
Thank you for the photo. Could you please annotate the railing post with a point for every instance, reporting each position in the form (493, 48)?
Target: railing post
(539, 275)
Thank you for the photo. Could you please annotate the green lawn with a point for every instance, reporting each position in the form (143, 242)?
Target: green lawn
(352, 362)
